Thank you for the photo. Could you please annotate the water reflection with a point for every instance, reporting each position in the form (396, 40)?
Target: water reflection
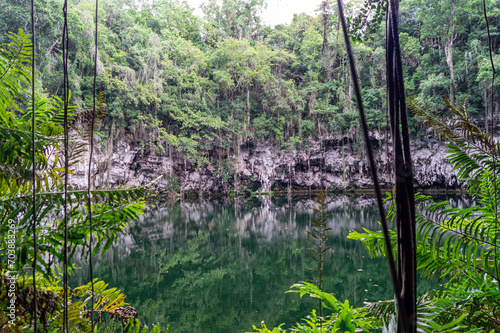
(221, 266)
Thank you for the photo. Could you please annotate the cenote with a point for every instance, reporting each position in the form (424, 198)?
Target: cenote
(225, 265)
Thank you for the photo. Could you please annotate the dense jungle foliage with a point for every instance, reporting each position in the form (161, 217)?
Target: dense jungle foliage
(170, 77)
(457, 248)
(112, 211)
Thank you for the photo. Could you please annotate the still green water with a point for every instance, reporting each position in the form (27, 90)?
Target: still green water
(223, 266)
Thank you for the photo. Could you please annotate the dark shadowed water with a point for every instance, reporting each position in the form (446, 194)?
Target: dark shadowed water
(223, 266)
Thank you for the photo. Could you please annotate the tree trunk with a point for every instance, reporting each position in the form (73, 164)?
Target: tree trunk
(449, 53)
(299, 114)
(404, 279)
(312, 103)
(309, 167)
(486, 105)
(236, 167)
(200, 183)
(248, 106)
(403, 172)
(110, 148)
(171, 160)
(321, 164)
(343, 164)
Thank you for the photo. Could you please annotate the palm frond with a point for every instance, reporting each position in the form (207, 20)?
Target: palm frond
(15, 72)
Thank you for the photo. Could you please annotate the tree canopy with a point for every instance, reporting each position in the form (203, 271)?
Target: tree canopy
(158, 61)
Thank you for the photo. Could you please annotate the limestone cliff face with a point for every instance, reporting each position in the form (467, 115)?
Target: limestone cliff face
(328, 162)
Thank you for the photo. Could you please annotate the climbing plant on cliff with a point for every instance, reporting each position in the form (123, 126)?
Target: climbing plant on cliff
(198, 132)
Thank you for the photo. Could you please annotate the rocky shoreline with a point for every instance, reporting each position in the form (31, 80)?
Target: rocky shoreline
(327, 163)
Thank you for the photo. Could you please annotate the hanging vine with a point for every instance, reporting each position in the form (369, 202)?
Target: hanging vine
(33, 148)
(65, 42)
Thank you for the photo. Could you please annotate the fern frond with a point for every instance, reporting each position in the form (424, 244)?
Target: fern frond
(470, 149)
(429, 315)
(454, 242)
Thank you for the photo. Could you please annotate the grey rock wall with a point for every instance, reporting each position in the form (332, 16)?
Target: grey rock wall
(266, 166)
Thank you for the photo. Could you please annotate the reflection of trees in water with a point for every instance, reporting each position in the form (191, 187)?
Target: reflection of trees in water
(219, 266)
(266, 222)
